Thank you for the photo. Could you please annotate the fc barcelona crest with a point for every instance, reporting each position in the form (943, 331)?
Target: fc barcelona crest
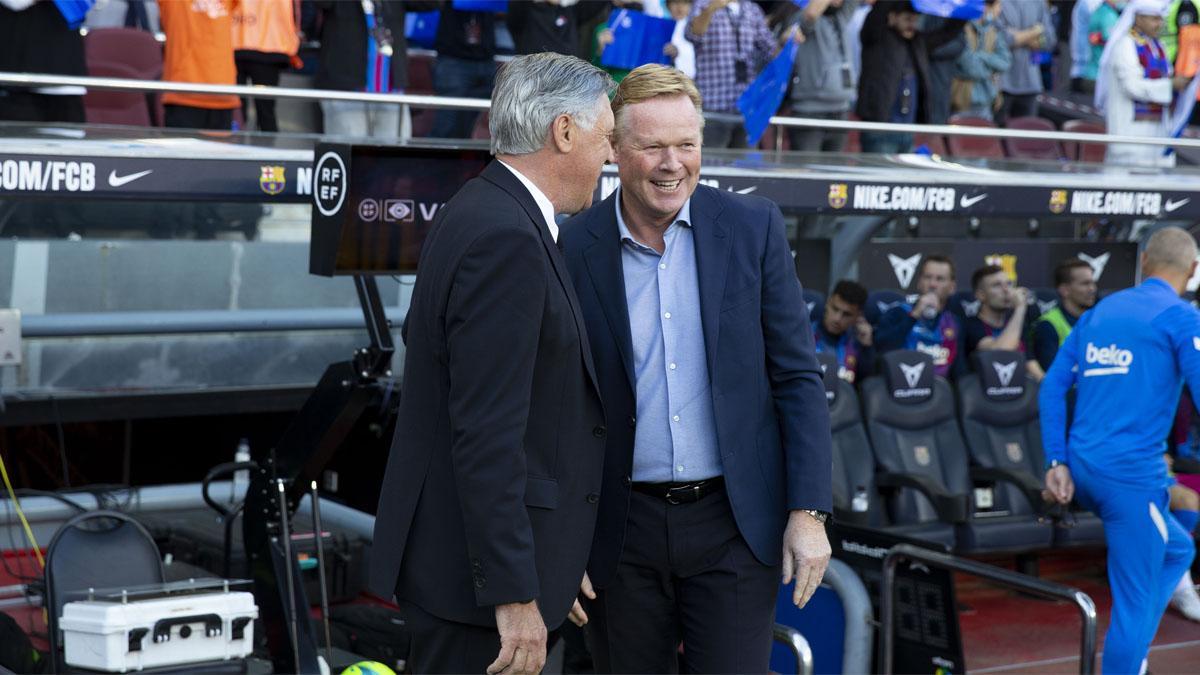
(838, 193)
(922, 456)
(272, 180)
(1058, 201)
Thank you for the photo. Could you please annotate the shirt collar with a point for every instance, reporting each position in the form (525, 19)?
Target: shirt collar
(1160, 283)
(684, 217)
(539, 198)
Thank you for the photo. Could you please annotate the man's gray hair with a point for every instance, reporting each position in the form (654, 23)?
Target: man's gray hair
(1170, 248)
(531, 91)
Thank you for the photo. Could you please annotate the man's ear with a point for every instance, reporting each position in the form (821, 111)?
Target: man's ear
(563, 133)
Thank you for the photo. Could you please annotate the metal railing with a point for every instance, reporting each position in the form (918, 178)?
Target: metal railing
(457, 103)
(1003, 577)
(185, 322)
(797, 645)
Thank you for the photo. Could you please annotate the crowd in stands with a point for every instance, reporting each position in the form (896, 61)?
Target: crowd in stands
(875, 60)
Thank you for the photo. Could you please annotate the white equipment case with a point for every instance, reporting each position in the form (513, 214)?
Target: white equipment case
(131, 630)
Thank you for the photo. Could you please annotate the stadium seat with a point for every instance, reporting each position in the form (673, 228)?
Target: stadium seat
(935, 142)
(815, 301)
(1023, 148)
(881, 301)
(130, 47)
(1000, 420)
(856, 499)
(420, 81)
(913, 427)
(853, 138)
(972, 147)
(963, 304)
(480, 130)
(1047, 299)
(1084, 152)
(101, 106)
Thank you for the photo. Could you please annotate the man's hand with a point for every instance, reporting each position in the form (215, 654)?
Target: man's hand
(1059, 484)
(522, 639)
(1021, 298)
(605, 38)
(805, 555)
(1180, 82)
(864, 332)
(926, 302)
(577, 615)
(671, 50)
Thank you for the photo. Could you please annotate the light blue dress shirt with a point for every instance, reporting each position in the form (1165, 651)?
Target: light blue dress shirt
(676, 435)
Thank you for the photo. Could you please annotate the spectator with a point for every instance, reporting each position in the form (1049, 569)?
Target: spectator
(844, 331)
(1030, 32)
(1076, 286)
(732, 43)
(1100, 25)
(680, 49)
(199, 49)
(363, 49)
(943, 62)
(1181, 13)
(266, 39)
(141, 14)
(37, 39)
(895, 83)
(465, 66)
(825, 78)
(549, 25)
(1000, 323)
(976, 89)
(927, 326)
(602, 37)
(1136, 86)
(1081, 15)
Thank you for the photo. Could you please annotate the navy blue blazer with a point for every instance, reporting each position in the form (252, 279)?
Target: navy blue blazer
(772, 418)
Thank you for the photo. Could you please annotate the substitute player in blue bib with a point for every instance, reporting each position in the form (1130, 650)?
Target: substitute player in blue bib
(1128, 357)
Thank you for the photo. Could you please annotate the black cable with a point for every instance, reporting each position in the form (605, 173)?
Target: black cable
(52, 495)
(62, 441)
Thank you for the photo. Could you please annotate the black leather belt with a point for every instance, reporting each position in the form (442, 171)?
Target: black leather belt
(681, 493)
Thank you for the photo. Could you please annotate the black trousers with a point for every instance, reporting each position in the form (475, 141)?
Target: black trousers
(440, 646)
(187, 117)
(265, 73)
(17, 105)
(686, 575)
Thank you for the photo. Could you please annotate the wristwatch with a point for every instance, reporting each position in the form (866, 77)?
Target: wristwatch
(819, 516)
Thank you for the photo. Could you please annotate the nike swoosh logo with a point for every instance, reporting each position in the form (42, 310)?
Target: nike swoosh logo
(1170, 205)
(746, 191)
(968, 202)
(117, 181)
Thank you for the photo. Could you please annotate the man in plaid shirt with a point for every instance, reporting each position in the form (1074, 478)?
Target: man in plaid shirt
(732, 44)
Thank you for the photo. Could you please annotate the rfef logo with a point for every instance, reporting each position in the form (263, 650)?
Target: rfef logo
(1112, 359)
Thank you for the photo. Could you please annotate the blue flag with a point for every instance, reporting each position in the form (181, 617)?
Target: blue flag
(481, 5)
(74, 11)
(967, 10)
(800, 3)
(421, 28)
(762, 98)
(1183, 110)
(638, 39)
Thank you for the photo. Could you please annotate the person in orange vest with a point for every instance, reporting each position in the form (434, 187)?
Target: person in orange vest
(199, 49)
(266, 38)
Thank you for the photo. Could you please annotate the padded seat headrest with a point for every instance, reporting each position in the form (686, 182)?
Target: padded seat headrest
(1001, 374)
(909, 376)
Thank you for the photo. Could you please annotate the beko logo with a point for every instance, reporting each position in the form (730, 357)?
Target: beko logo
(1113, 359)
(1097, 264)
(904, 268)
(47, 176)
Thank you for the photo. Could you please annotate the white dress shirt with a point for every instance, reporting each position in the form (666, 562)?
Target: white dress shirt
(539, 198)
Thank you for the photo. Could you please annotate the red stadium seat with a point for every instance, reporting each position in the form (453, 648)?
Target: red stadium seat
(420, 81)
(1084, 152)
(1023, 148)
(115, 107)
(853, 140)
(135, 49)
(967, 147)
(480, 130)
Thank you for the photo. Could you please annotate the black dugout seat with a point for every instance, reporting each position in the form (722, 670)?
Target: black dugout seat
(999, 411)
(913, 426)
(856, 497)
(879, 302)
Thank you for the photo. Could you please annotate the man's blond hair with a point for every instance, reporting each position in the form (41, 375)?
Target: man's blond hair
(651, 81)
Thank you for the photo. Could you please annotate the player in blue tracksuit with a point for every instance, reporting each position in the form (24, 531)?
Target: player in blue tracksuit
(1128, 357)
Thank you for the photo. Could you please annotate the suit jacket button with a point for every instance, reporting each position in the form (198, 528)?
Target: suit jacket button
(632, 421)
(627, 481)
(599, 431)
(480, 582)
(593, 498)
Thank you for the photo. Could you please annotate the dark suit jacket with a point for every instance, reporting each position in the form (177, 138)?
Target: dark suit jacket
(492, 484)
(771, 416)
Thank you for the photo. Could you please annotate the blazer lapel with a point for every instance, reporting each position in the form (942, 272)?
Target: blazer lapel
(502, 177)
(712, 263)
(603, 259)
